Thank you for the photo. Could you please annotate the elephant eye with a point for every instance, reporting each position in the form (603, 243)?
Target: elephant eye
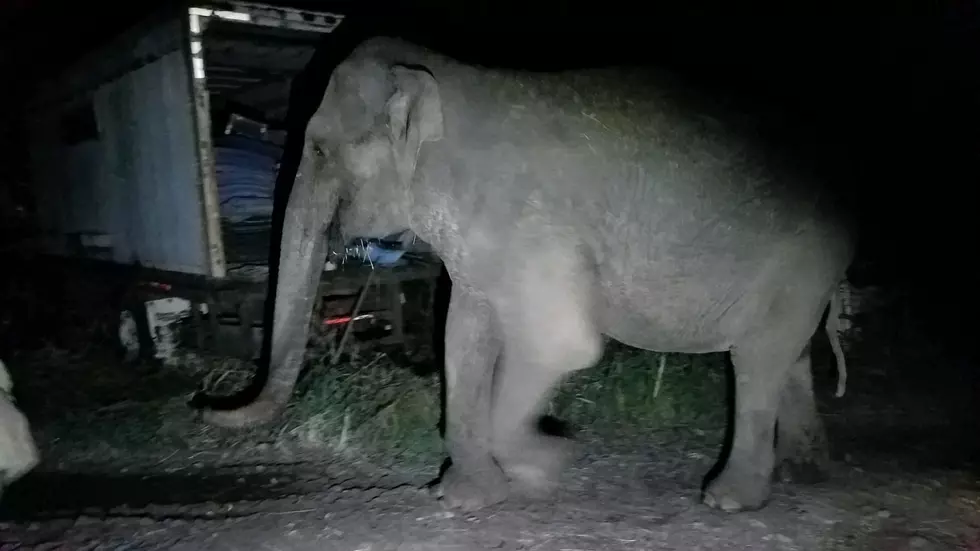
(318, 150)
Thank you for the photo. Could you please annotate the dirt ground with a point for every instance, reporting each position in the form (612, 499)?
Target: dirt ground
(904, 440)
(613, 500)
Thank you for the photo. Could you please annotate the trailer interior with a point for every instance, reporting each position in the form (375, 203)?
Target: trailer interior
(248, 71)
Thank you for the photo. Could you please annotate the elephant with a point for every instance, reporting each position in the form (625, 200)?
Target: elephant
(18, 451)
(568, 207)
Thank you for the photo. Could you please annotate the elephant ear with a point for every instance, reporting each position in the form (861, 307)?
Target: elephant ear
(414, 115)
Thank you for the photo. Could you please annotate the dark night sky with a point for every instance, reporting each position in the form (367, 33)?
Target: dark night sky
(887, 92)
(882, 79)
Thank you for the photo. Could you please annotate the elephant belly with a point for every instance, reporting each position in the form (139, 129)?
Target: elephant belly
(672, 320)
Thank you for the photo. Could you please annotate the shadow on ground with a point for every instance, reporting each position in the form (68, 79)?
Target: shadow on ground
(54, 494)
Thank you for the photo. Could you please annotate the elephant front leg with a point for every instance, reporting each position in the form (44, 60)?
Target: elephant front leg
(473, 480)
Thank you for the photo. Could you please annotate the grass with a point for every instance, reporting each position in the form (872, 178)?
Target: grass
(370, 408)
(621, 391)
(374, 408)
(380, 409)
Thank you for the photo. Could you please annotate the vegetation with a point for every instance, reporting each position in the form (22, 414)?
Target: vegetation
(380, 408)
(370, 408)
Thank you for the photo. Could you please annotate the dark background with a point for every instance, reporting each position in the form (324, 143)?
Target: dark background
(883, 95)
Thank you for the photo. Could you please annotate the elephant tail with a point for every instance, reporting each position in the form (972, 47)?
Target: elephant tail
(832, 327)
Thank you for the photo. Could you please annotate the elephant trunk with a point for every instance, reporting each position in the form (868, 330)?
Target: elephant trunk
(301, 259)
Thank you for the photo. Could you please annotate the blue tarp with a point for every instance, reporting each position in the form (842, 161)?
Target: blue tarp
(246, 171)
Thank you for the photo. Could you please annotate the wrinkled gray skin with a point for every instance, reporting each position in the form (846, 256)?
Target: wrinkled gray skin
(566, 207)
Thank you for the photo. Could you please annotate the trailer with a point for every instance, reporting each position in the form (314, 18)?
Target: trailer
(161, 149)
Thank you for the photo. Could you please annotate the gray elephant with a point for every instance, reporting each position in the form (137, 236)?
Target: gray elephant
(567, 207)
(18, 451)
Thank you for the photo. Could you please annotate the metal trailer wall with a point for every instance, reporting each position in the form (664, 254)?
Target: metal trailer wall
(121, 154)
(115, 157)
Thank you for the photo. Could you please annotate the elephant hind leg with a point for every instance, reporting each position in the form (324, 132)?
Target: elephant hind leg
(548, 330)
(801, 440)
(771, 364)
(760, 371)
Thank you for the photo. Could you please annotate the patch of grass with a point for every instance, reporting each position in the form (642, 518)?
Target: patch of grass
(380, 409)
(83, 408)
(373, 408)
(621, 392)
(368, 408)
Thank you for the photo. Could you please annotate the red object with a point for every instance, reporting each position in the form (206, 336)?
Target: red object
(345, 319)
(158, 285)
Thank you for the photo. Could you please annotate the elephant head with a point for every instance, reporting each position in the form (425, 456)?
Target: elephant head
(359, 160)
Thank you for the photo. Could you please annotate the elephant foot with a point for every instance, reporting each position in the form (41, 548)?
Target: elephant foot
(254, 414)
(535, 464)
(733, 492)
(807, 471)
(473, 490)
(806, 462)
